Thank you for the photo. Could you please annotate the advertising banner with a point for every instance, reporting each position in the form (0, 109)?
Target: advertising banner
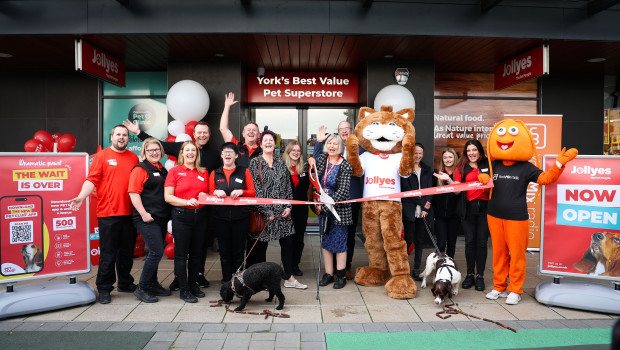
(526, 66)
(581, 231)
(98, 63)
(547, 132)
(40, 236)
(302, 87)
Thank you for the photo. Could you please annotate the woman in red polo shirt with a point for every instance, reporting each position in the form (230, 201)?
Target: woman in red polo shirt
(184, 183)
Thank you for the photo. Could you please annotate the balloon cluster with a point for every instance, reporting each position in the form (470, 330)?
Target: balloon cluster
(187, 102)
(169, 250)
(43, 141)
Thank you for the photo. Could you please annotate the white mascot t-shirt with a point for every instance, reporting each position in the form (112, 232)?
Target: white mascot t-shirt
(381, 174)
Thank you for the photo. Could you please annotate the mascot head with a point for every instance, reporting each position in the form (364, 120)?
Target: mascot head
(511, 140)
(383, 132)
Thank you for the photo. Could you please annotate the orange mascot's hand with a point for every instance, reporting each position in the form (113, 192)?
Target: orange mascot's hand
(484, 178)
(566, 156)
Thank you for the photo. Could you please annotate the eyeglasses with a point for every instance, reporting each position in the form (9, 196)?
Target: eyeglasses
(153, 151)
(343, 129)
(228, 153)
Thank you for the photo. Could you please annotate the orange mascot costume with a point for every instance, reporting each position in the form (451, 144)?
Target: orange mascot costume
(510, 147)
(389, 139)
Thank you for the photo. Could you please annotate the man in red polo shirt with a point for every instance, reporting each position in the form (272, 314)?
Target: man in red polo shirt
(250, 148)
(109, 173)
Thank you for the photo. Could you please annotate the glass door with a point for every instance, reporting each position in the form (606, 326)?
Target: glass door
(283, 121)
(330, 117)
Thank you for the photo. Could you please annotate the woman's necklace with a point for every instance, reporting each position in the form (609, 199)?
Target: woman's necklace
(329, 170)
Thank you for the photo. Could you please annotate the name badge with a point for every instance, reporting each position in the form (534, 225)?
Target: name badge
(156, 174)
(112, 162)
(485, 169)
(201, 178)
(238, 180)
(302, 175)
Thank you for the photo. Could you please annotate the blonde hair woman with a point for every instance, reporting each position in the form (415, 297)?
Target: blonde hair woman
(447, 223)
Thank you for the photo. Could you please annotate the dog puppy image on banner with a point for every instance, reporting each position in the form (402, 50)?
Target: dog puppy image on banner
(389, 139)
(602, 257)
(510, 146)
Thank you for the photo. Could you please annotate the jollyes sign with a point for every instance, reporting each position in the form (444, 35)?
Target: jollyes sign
(98, 63)
(302, 87)
(526, 66)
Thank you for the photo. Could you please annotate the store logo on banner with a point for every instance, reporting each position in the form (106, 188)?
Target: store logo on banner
(595, 173)
(98, 63)
(526, 66)
(594, 206)
(302, 87)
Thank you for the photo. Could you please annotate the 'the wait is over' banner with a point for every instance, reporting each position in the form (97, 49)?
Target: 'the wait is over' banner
(40, 236)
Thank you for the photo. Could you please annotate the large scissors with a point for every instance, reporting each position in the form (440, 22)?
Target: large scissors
(325, 199)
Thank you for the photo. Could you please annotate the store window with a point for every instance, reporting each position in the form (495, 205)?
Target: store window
(142, 100)
(467, 106)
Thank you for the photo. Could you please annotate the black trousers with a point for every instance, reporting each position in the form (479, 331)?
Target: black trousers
(446, 230)
(117, 242)
(476, 230)
(189, 228)
(415, 233)
(231, 236)
(259, 253)
(209, 238)
(299, 214)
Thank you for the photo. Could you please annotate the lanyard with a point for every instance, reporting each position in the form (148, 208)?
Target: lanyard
(329, 170)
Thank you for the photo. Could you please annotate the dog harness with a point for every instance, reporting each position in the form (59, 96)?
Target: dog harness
(449, 271)
(239, 277)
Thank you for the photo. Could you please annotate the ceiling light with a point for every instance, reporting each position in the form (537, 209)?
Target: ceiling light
(219, 55)
(5, 55)
(388, 56)
(596, 60)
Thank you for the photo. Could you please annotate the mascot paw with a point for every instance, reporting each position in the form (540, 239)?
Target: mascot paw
(401, 287)
(352, 142)
(484, 178)
(368, 276)
(566, 156)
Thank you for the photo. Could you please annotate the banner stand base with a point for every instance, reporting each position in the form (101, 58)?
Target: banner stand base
(584, 295)
(45, 296)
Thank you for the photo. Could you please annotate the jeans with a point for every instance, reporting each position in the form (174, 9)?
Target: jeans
(117, 242)
(446, 230)
(154, 234)
(189, 228)
(352, 230)
(476, 231)
(231, 235)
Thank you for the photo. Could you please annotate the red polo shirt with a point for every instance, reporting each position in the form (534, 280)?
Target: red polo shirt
(250, 149)
(187, 183)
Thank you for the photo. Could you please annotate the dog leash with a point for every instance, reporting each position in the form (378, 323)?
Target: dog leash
(428, 229)
(267, 313)
(449, 310)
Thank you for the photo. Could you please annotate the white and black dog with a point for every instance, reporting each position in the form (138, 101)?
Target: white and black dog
(447, 277)
(33, 258)
(256, 278)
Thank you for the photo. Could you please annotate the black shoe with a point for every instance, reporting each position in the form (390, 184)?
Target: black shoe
(175, 284)
(145, 296)
(195, 290)
(104, 297)
(480, 283)
(297, 271)
(468, 282)
(127, 289)
(187, 296)
(416, 275)
(202, 282)
(159, 291)
(326, 279)
(339, 282)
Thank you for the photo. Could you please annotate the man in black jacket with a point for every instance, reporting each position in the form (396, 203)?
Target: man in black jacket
(250, 148)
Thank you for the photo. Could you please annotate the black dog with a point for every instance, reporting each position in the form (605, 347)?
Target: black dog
(258, 277)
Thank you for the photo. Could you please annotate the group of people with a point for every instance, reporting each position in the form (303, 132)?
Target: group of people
(154, 195)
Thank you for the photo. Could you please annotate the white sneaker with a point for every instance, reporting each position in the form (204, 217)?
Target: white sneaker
(513, 298)
(493, 295)
(295, 284)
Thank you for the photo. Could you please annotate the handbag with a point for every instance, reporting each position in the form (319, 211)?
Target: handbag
(257, 224)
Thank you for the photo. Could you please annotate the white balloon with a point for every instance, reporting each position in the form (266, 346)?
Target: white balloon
(397, 96)
(176, 127)
(169, 164)
(187, 101)
(183, 137)
(170, 226)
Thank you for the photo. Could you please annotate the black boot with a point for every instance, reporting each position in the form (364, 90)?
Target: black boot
(175, 284)
(480, 283)
(339, 280)
(469, 281)
(187, 296)
(326, 279)
(194, 288)
(416, 275)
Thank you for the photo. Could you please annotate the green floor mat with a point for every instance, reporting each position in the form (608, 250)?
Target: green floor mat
(500, 339)
(74, 340)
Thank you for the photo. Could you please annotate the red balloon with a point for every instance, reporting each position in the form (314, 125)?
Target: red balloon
(169, 251)
(45, 137)
(66, 143)
(56, 136)
(170, 138)
(169, 238)
(35, 146)
(189, 128)
(173, 158)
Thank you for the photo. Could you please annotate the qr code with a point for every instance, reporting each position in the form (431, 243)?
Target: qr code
(21, 232)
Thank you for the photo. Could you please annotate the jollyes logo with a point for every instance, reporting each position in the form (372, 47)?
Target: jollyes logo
(590, 170)
(376, 180)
